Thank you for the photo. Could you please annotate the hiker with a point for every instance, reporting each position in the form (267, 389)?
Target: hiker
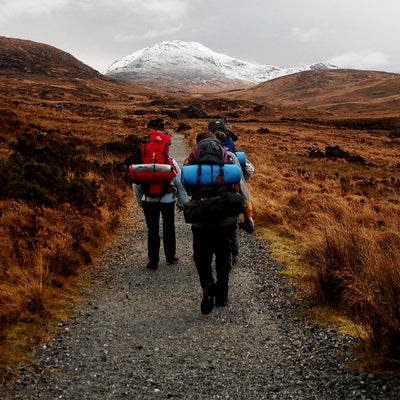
(227, 138)
(213, 235)
(221, 125)
(248, 171)
(159, 198)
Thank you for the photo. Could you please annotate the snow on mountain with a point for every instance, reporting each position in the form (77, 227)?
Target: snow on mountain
(192, 63)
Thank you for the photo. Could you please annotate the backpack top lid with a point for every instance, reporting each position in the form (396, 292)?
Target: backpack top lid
(156, 148)
(209, 151)
(158, 136)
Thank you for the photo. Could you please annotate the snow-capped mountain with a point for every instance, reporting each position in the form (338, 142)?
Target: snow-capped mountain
(176, 65)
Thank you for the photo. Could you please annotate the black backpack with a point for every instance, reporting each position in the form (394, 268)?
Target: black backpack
(210, 203)
(210, 152)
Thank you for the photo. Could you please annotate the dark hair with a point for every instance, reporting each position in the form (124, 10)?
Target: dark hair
(221, 135)
(204, 135)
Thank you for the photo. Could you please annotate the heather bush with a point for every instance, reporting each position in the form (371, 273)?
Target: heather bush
(183, 127)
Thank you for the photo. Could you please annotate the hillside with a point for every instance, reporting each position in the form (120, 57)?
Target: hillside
(34, 70)
(64, 131)
(23, 56)
(337, 93)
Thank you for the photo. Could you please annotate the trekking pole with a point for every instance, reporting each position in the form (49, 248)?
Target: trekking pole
(226, 122)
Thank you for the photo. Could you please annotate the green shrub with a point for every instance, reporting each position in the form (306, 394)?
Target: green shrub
(112, 168)
(335, 152)
(263, 131)
(119, 148)
(81, 194)
(33, 194)
(157, 123)
(51, 151)
(183, 127)
(170, 113)
(192, 112)
(45, 172)
(315, 153)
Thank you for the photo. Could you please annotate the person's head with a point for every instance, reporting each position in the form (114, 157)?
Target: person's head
(204, 135)
(225, 140)
(221, 136)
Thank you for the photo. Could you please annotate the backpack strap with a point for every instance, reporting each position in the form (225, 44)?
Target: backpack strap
(166, 157)
(220, 176)
(198, 175)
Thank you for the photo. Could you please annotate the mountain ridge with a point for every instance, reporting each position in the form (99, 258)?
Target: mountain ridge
(192, 66)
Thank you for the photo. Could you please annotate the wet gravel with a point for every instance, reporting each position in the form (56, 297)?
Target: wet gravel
(140, 335)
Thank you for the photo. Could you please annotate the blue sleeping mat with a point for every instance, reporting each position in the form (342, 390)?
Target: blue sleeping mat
(211, 174)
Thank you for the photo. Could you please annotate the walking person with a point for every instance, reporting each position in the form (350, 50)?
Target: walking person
(248, 171)
(221, 125)
(158, 199)
(214, 236)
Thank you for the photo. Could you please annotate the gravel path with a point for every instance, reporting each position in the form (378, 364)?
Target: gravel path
(140, 335)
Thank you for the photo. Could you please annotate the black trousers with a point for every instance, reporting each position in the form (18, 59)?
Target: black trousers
(208, 242)
(152, 213)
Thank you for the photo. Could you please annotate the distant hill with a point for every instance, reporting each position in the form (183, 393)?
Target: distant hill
(179, 66)
(336, 92)
(41, 71)
(24, 56)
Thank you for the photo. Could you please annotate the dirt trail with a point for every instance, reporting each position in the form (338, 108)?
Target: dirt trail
(140, 334)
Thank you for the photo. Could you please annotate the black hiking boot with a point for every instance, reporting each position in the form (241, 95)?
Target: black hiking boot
(221, 301)
(152, 265)
(207, 304)
(172, 260)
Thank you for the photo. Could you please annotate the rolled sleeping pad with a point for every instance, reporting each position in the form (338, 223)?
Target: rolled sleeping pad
(241, 155)
(151, 172)
(210, 174)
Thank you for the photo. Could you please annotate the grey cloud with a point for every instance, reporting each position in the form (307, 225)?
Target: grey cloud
(288, 33)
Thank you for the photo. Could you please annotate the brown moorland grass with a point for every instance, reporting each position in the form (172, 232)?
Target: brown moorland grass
(340, 216)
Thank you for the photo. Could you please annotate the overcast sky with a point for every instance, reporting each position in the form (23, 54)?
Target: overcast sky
(361, 34)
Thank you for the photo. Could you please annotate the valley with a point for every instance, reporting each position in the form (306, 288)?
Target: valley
(326, 192)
